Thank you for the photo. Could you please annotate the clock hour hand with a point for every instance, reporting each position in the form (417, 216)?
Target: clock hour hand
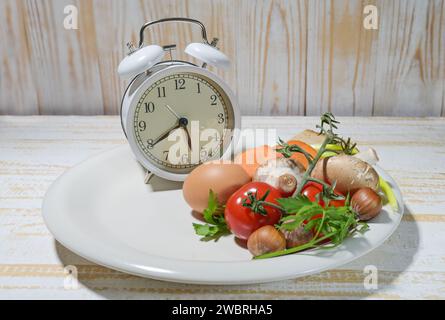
(189, 140)
(183, 125)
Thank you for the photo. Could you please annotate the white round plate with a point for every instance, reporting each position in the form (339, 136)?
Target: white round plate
(103, 211)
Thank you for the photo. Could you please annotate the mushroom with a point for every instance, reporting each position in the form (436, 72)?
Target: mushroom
(369, 156)
(281, 173)
(348, 172)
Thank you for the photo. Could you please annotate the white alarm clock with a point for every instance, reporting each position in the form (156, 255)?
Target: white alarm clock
(176, 114)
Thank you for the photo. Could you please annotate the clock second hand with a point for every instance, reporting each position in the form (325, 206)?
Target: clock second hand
(173, 112)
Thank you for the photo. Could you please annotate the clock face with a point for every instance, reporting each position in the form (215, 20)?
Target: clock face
(182, 120)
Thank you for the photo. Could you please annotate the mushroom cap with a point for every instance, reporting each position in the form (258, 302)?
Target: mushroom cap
(271, 171)
(348, 172)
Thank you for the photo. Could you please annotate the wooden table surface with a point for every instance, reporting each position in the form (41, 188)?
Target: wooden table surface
(34, 151)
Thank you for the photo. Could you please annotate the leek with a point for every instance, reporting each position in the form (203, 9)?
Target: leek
(387, 190)
(333, 147)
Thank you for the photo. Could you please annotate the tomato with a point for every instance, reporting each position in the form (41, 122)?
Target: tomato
(241, 220)
(312, 189)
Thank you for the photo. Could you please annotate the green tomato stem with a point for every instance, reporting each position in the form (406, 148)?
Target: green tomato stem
(270, 204)
(312, 164)
(326, 185)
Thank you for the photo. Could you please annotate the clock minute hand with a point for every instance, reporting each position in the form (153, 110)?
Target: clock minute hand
(166, 134)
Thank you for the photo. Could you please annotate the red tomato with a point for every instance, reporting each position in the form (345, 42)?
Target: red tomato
(241, 220)
(311, 189)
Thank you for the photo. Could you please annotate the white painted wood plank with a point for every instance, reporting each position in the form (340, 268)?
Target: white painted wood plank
(63, 63)
(411, 64)
(271, 57)
(18, 93)
(397, 70)
(289, 57)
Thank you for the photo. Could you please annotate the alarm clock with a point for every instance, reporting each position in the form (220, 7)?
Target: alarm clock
(177, 114)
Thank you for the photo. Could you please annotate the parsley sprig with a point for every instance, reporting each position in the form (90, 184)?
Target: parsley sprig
(332, 224)
(216, 226)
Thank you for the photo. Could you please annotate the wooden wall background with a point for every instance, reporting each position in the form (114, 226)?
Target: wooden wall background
(290, 57)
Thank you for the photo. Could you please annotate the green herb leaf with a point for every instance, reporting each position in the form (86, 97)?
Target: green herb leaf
(295, 204)
(216, 226)
(212, 208)
(210, 232)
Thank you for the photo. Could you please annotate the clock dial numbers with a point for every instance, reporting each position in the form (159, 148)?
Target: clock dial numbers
(182, 120)
(161, 92)
(180, 84)
(221, 118)
(149, 107)
(213, 98)
(142, 125)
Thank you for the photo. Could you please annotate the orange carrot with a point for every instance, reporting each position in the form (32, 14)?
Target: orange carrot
(251, 159)
(299, 156)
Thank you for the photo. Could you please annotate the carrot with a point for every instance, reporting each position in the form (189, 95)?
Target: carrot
(299, 156)
(251, 159)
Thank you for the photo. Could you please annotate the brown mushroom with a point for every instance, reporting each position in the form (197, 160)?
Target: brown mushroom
(348, 172)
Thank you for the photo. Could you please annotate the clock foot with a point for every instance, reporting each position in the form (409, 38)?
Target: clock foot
(148, 176)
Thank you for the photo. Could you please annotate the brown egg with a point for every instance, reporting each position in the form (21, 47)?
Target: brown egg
(223, 178)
